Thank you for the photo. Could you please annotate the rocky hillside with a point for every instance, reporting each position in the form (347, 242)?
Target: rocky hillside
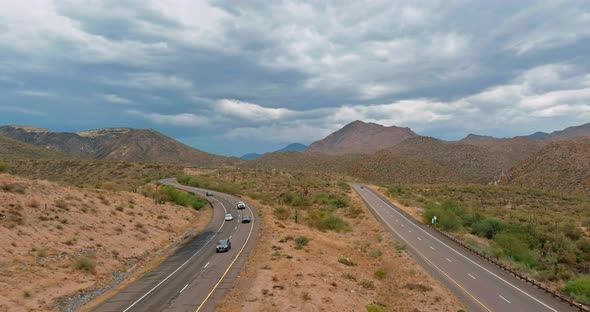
(13, 149)
(303, 161)
(56, 241)
(559, 166)
(360, 138)
(125, 144)
(569, 133)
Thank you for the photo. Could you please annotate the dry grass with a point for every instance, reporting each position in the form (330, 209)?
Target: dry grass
(56, 241)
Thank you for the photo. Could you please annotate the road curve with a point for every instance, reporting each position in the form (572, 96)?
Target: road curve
(195, 277)
(479, 284)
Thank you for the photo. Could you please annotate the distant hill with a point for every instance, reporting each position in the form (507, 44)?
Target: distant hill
(570, 133)
(250, 156)
(13, 149)
(476, 161)
(538, 135)
(126, 144)
(472, 137)
(360, 138)
(293, 147)
(559, 166)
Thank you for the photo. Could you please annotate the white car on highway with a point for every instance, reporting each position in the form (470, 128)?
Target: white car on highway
(229, 217)
(241, 205)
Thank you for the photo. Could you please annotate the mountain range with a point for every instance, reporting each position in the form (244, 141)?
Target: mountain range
(555, 161)
(126, 144)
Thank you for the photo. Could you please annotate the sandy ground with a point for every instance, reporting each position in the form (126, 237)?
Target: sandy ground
(278, 277)
(45, 228)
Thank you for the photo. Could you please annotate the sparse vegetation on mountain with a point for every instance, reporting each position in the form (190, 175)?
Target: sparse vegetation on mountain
(562, 166)
(123, 144)
(360, 138)
(109, 175)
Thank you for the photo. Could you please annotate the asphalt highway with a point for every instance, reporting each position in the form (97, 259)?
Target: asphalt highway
(479, 284)
(195, 277)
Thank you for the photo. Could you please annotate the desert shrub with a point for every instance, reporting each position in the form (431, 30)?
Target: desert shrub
(396, 190)
(301, 242)
(488, 227)
(374, 307)
(293, 199)
(174, 195)
(367, 284)
(448, 215)
(13, 188)
(513, 247)
(579, 288)
(107, 185)
(3, 166)
(282, 213)
(375, 253)
(326, 220)
(40, 251)
(346, 261)
(343, 185)
(380, 273)
(84, 263)
(399, 246)
(207, 183)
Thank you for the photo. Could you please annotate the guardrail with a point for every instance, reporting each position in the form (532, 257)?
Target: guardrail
(514, 273)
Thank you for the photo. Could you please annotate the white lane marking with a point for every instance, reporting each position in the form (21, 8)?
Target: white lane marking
(419, 238)
(230, 236)
(448, 259)
(236, 227)
(409, 231)
(462, 255)
(473, 277)
(504, 299)
(180, 267)
(432, 248)
(183, 288)
(206, 265)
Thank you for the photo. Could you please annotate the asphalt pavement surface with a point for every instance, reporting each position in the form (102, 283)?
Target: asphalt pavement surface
(195, 277)
(479, 284)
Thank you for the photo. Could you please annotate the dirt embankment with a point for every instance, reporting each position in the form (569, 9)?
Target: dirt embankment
(56, 241)
(344, 271)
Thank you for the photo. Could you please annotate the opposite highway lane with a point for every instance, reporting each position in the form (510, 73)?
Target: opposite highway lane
(479, 284)
(195, 277)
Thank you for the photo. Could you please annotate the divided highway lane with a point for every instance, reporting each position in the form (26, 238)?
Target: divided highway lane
(195, 277)
(481, 285)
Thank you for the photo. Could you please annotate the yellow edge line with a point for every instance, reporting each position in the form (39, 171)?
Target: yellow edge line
(426, 259)
(230, 265)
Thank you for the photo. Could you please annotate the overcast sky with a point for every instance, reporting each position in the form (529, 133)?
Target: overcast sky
(231, 77)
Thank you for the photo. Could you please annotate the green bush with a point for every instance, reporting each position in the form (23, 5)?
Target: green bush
(374, 307)
(282, 213)
(514, 247)
(205, 182)
(448, 213)
(396, 190)
(171, 194)
(343, 185)
(579, 288)
(301, 242)
(488, 227)
(85, 264)
(380, 273)
(326, 220)
(3, 166)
